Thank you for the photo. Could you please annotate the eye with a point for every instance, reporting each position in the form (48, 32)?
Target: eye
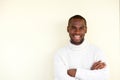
(73, 27)
(82, 27)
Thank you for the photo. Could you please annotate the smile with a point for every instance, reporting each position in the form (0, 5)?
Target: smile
(77, 36)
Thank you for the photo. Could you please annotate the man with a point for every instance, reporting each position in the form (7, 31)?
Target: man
(79, 60)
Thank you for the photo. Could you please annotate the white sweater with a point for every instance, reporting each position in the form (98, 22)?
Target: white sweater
(82, 58)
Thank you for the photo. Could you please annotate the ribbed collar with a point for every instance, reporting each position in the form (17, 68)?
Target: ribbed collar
(78, 47)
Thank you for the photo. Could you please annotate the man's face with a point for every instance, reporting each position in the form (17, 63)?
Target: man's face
(76, 29)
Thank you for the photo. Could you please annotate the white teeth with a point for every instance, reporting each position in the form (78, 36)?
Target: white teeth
(77, 36)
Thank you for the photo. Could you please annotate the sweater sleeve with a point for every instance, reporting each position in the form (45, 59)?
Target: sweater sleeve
(100, 74)
(60, 69)
(84, 74)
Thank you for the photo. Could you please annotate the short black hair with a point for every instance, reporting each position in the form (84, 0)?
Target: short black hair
(77, 17)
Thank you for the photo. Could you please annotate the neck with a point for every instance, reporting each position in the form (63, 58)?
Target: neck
(78, 42)
(79, 47)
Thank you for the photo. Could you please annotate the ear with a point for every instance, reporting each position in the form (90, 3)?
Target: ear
(67, 28)
(86, 29)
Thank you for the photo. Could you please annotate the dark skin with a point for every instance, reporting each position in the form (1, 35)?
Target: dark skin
(95, 66)
(77, 30)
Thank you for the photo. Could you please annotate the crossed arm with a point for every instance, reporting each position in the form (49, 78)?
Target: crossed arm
(98, 71)
(95, 66)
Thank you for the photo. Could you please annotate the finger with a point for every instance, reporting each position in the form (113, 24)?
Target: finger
(103, 64)
(96, 63)
(100, 66)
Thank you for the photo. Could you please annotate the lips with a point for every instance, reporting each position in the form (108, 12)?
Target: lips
(77, 37)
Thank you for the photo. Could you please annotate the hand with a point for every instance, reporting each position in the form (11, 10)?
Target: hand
(98, 65)
(71, 72)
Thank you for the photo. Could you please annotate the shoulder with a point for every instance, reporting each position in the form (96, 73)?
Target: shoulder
(94, 48)
(61, 52)
(97, 51)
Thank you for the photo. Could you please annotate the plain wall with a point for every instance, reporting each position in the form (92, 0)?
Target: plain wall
(31, 31)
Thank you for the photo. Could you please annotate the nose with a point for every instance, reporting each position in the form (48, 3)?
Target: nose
(77, 31)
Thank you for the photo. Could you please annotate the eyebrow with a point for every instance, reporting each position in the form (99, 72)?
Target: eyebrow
(80, 26)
